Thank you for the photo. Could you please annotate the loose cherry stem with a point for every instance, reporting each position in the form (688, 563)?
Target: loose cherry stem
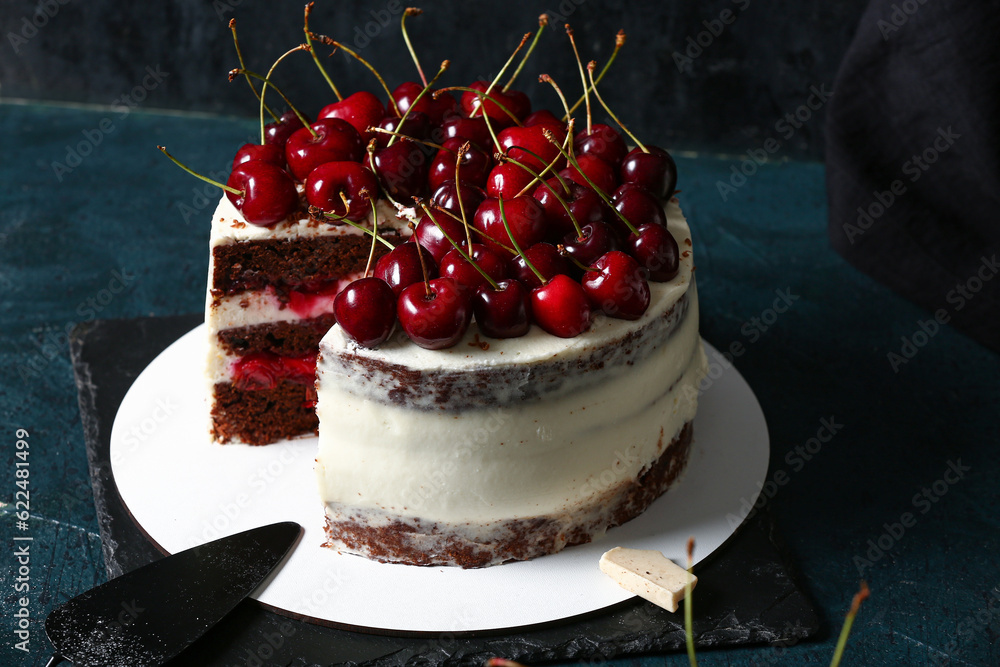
(239, 54)
(517, 246)
(583, 79)
(619, 43)
(543, 21)
(465, 89)
(538, 179)
(455, 245)
(412, 11)
(689, 607)
(600, 193)
(444, 66)
(590, 71)
(180, 164)
(859, 597)
(332, 42)
(503, 69)
(462, 150)
(312, 51)
(267, 82)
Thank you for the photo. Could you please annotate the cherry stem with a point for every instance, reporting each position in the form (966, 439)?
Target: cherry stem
(590, 71)
(180, 164)
(314, 210)
(517, 246)
(481, 94)
(423, 269)
(502, 70)
(583, 78)
(565, 254)
(371, 253)
(462, 150)
(538, 179)
(312, 51)
(455, 245)
(474, 229)
(444, 66)
(239, 54)
(400, 135)
(600, 193)
(412, 11)
(339, 45)
(859, 597)
(545, 78)
(689, 607)
(619, 43)
(543, 21)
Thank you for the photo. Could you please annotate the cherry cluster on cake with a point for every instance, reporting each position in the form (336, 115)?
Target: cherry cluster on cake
(517, 217)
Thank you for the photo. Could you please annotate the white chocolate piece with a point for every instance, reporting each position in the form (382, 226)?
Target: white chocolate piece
(649, 574)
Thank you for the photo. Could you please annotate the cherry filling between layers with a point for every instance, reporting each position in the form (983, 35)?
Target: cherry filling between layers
(264, 370)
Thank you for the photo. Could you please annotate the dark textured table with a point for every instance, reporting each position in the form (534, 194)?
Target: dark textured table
(880, 469)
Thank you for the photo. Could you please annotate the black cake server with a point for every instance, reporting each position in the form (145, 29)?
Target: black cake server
(149, 615)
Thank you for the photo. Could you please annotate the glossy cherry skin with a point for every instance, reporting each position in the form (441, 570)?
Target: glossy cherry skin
(525, 216)
(514, 101)
(603, 142)
(402, 170)
(448, 193)
(474, 168)
(264, 152)
(335, 141)
(361, 110)
(504, 312)
(277, 133)
(545, 258)
(366, 311)
(436, 109)
(656, 251)
(582, 202)
(454, 266)
(560, 307)
(533, 139)
(416, 125)
(655, 171)
(507, 180)
(597, 170)
(438, 320)
(597, 239)
(638, 206)
(615, 284)
(430, 235)
(400, 267)
(544, 117)
(268, 193)
(472, 129)
(327, 181)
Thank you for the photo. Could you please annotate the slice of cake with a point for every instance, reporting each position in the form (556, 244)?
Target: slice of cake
(270, 301)
(513, 448)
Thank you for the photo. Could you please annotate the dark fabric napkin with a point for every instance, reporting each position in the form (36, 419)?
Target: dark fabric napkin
(913, 160)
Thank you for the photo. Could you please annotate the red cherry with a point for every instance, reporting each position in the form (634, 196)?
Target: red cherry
(366, 311)
(504, 312)
(277, 133)
(615, 284)
(447, 197)
(560, 307)
(361, 110)
(268, 192)
(544, 117)
(583, 202)
(603, 142)
(545, 258)
(430, 236)
(654, 171)
(437, 320)
(515, 101)
(402, 170)
(600, 172)
(335, 141)
(436, 109)
(416, 125)
(507, 180)
(264, 152)
(534, 140)
(475, 165)
(327, 181)
(638, 206)
(655, 249)
(400, 267)
(525, 216)
(472, 129)
(454, 266)
(597, 238)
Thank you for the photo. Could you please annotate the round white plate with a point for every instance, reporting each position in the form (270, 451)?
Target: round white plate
(184, 490)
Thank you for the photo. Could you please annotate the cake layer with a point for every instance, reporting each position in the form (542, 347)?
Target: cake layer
(261, 416)
(283, 338)
(390, 537)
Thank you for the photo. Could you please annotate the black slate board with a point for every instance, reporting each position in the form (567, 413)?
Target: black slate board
(747, 593)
